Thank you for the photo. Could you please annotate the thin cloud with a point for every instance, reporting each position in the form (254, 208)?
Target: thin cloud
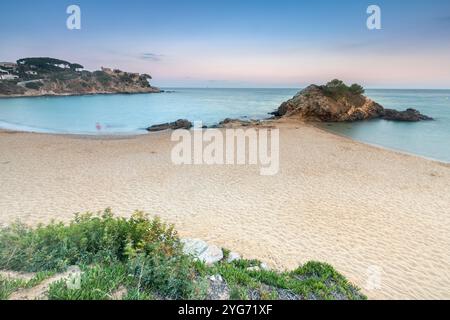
(151, 56)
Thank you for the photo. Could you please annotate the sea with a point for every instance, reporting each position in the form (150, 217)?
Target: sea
(131, 114)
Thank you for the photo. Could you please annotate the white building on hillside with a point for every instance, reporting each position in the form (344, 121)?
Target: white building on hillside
(4, 75)
(8, 77)
(62, 66)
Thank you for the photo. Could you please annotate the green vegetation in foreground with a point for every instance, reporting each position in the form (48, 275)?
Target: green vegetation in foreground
(143, 258)
(8, 286)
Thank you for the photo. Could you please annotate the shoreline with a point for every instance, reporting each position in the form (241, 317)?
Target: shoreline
(49, 95)
(335, 200)
(121, 136)
(379, 146)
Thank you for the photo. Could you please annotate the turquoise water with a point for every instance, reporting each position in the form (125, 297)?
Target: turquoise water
(131, 114)
(429, 139)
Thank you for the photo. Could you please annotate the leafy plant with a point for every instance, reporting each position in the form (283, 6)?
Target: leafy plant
(145, 256)
(169, 276)
(356, 89)
(88, 239)
(338, 89)
(33, 85)
(98, 282)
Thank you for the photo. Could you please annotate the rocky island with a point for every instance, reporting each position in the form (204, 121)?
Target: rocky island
(333, 102)
(32, 77)
(337, 102)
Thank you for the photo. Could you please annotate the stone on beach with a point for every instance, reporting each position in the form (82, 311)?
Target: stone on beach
(201, 250)
(233, 256)
(229, 123)
(218, 289)
(264, 266)
(254, 269)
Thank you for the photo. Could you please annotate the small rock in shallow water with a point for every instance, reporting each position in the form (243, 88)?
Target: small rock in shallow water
(179, 124)
(410, 115)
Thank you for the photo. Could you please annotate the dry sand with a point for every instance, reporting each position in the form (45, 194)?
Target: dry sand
(360, 208)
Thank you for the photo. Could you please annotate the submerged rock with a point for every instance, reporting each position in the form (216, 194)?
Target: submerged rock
(179, 124)
(410, 115)
(336, 102)
(201, 250)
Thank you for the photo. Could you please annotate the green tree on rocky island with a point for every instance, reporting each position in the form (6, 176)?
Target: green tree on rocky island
(337, 89)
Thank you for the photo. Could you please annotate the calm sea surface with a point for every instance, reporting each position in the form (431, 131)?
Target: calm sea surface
(131, 114)
(429, 139)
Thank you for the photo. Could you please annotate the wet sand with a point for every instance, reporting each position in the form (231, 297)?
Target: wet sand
(378, 216)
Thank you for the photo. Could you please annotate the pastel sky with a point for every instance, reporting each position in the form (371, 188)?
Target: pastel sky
(236, 43)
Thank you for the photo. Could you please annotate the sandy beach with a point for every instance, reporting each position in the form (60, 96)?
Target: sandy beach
(360, 208)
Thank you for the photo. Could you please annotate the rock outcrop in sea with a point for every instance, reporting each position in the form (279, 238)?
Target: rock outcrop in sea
(336, 102)
(410, 115)
(179, 124)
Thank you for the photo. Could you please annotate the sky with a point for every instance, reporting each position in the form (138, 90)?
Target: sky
(235, 43)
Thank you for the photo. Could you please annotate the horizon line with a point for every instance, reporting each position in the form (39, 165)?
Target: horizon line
(296, 88)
